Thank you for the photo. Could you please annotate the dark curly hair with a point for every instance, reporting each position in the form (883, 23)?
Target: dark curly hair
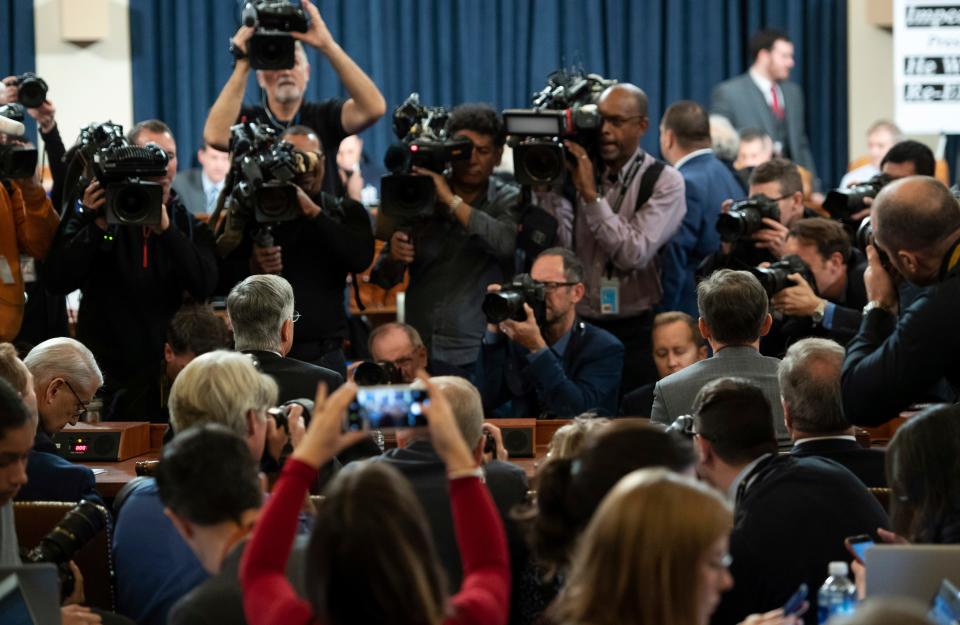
(479, 118)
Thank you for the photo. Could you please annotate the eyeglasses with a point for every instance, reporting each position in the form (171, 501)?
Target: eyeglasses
(553, 286)
(82, 410)
(618, 122)
(296, 317)
(404, 361)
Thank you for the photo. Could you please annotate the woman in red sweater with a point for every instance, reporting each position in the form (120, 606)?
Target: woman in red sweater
(371, 558)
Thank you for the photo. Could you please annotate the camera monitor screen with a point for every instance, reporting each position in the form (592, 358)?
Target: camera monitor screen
(387, 407)
(946, 605)
(531, 122)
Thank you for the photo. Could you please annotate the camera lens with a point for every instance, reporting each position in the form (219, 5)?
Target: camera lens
(502, 305)
(543, 163)
(131, 204)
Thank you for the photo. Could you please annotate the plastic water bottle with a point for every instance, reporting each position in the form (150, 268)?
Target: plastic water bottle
(838, 595)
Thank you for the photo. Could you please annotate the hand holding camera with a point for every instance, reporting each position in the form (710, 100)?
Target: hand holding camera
(525, 333)
(317, 35)
(581, 171)
(94, 198)
(401, 247)
(799, 300)
(879, 283)
(285, 424)
(772, 236)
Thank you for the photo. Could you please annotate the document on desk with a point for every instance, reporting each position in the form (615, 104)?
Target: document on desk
(98, 471)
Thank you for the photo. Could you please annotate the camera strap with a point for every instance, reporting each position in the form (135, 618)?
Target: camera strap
(276, 123)
(628, 181)
(647, 183)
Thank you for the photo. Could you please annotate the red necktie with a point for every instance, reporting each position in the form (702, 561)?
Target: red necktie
(777, 108)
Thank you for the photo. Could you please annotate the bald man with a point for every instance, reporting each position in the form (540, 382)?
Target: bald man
(893, 360)
(622, 223)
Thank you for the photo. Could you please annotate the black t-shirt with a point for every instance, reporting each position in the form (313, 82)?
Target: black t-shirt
(324, 118)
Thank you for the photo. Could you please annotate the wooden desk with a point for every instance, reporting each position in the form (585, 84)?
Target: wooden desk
(117, 474)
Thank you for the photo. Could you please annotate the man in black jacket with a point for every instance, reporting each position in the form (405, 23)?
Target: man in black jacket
(813, 410)
(133, 279)
(893, 360)
(791, 514)
(331, 238)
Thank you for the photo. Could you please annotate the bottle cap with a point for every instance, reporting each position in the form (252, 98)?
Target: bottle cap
(838, 568)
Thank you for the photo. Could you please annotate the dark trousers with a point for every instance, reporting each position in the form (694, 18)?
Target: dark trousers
(634, 333)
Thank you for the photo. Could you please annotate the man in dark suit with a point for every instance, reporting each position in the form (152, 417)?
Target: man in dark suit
(791, 514)
(417, 459)
(557, 366)
(199, 188)
(813, 410)
(733, 317)
(764, 98)
(685, 144)
(261, 312)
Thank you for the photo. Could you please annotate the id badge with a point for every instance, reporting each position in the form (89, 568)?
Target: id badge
(610, 296)
(28, 268)
(6, 273)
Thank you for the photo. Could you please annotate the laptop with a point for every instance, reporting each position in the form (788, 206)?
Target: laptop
(30, 595)
(914, 571)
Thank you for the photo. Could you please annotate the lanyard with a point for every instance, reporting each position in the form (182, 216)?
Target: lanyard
(628, 181)
(276, 123)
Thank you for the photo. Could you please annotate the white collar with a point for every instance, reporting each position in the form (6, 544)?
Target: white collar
(842, 437)
(763, 83)
(692, 155)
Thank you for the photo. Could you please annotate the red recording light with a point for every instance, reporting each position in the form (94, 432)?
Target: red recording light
(79, 449)
(414, 148)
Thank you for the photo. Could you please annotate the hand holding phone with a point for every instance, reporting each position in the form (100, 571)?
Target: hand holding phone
(387, 408)
(858, 545)
(796, 602)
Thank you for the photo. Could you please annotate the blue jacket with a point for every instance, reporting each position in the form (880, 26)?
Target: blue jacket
(585, 377)
(708, 183)
(52, 478)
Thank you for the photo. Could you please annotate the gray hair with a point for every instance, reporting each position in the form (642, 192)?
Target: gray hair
(257, 307)
(466, 405)
(220, 387)
(809, 377)
(724, 137)
(733, 305)
(572, 265)
(66, 358)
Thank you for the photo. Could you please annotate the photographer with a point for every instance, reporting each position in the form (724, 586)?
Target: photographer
(283, 101)
(132, 278)
(329, 239)
(838, 269)
(397, 347)
(558, 367)
(898, 354)
(467, 244)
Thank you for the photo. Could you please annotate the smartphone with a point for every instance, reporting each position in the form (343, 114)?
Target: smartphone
(386, 408)
(946, 605)
(795, 603)
(858, 545)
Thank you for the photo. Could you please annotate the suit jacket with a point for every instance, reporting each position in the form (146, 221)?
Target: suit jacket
(586, 377)
(296, 379)
(638, 402)
(53, 478)
(673, 396)
(708, 182)
(740, 101)
(189, 187)
(867, 464)
(788, 525)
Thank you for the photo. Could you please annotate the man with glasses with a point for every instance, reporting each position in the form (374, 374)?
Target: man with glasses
(558, 366)
(400, 345)
(620, 225)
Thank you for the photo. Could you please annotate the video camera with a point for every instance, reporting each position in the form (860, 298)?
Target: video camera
(775, 277)
(746, 217)
(264, 171)
(32, 89)
(507, 303)
(271, 46)
(16, 159)
(70, 535)
(121, 167)
(424, 142)
(565, 109)
(843, 203)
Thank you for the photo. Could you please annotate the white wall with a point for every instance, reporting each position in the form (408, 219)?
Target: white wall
(96, 77)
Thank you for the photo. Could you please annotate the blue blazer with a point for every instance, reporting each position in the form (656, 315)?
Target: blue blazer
(586, 377)
(708, 183)
(52, 478)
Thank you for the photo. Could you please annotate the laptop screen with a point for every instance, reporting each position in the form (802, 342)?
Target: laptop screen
(945, 608)
(13, 605)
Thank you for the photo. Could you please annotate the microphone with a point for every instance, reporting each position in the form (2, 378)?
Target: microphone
(11, 127)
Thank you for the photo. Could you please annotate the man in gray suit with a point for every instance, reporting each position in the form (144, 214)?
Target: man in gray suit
(199, 188)
(733, 317)
(763, 98)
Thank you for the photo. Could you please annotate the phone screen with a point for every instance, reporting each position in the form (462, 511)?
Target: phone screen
(946, 605)
(860, 549)
(795, 602)
(386, 407)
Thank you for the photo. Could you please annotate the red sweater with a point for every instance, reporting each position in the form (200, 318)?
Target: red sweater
(269, 599)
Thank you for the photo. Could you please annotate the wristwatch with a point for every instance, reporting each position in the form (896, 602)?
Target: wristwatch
(817, 315)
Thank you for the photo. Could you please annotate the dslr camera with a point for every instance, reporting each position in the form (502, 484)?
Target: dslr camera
(377, 374)
(774, 278)
(864, 237)
(746, 217)
(32, 89)
(507, 303)
(17, 160)
(565, 109)
(121, 169)
(264, 171)
(424, 142)
(74, 531)
(271, 46)
(843, 203)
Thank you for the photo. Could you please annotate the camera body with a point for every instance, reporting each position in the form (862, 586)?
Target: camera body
(507, 303)
(121, 167)
(16, 159)
(271, 46)
(425, 143)
(377, 374)
(565, 109)
(746, 217)
(265, 169)
(774, 278)
(864, 237)
(32, 90)
(843, 203)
